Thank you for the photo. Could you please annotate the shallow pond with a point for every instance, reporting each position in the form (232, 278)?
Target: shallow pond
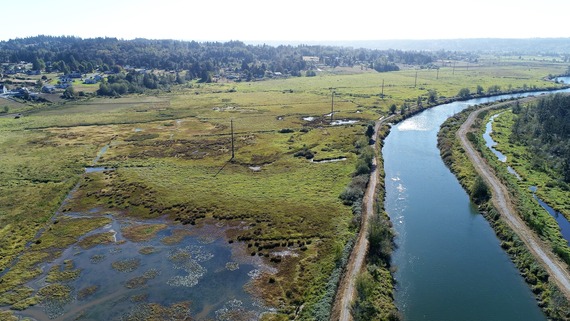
(195, 267)
(343, 122)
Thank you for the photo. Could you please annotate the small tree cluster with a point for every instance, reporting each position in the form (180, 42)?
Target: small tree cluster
(480, 192)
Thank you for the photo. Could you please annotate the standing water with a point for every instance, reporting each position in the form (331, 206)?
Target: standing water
(563, 223)
(450, 265)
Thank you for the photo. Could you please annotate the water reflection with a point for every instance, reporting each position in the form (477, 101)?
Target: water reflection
(120, 278)
(563, 223)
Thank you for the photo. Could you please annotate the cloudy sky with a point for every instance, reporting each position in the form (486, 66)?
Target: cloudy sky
(286, 20)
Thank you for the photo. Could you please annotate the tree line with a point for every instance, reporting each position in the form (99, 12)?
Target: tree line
(545, 128)
(68, 54)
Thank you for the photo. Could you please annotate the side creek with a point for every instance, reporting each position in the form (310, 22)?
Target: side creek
(563, 223)
(113, 273)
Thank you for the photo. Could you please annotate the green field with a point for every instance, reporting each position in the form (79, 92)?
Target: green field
(170, 152)
(519, 158)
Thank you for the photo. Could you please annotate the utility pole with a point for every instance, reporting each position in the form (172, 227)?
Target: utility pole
(332, 105)
(233, 153)
(437, 75)
(232, 129)
(382, 88)
(453, 72)
(416, 81)
(332, 102)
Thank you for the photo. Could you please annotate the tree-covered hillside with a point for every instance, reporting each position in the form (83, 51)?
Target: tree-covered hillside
(76, 54)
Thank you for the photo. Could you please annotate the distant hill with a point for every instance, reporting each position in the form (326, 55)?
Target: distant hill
(490, 45)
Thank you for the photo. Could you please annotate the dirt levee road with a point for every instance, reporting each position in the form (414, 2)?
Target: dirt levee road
(557, 270)
(346, 289)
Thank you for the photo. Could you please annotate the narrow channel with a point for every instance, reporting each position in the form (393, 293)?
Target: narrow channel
(563, 223)
(449, 263)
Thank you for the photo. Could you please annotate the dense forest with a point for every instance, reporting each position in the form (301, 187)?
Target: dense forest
(85, 54)
(545, 128)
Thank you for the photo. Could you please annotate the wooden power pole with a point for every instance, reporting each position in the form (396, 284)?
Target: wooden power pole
(232, 129)
(416, 81)
(332, 102)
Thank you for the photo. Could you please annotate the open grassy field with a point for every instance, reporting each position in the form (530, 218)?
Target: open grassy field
(170, 153)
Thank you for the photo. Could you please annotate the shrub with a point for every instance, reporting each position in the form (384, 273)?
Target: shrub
(380, 237)
(464, 93)
(307, 153)
(351, 195)
(480, 192)
(310, 73)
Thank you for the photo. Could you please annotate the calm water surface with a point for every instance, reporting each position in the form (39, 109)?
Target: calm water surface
(450, 265)
(200, 269)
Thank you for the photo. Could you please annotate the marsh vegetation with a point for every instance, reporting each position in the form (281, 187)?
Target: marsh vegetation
(166, 163)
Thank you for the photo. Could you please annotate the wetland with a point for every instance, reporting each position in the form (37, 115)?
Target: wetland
(129, 208)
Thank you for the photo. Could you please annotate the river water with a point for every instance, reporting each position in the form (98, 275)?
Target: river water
(450, 265)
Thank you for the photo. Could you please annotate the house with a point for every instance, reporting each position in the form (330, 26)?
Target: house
(65, 79)
(48, 89)
(93, 79)
(313, 59)
(75, 74)
(63, 85)
(22, 92)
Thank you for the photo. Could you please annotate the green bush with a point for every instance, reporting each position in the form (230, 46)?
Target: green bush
(351, 194)
(480, 192)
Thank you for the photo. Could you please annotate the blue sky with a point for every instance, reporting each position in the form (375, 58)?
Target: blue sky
(290, 20)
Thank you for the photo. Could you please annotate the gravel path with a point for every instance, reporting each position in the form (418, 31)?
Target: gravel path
(557, 269)
(347, 286)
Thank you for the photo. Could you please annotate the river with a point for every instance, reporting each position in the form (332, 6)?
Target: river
(449, 263)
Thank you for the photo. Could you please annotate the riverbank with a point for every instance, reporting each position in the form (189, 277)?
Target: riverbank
(526, 250)
(366, 288)
(376, 283)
